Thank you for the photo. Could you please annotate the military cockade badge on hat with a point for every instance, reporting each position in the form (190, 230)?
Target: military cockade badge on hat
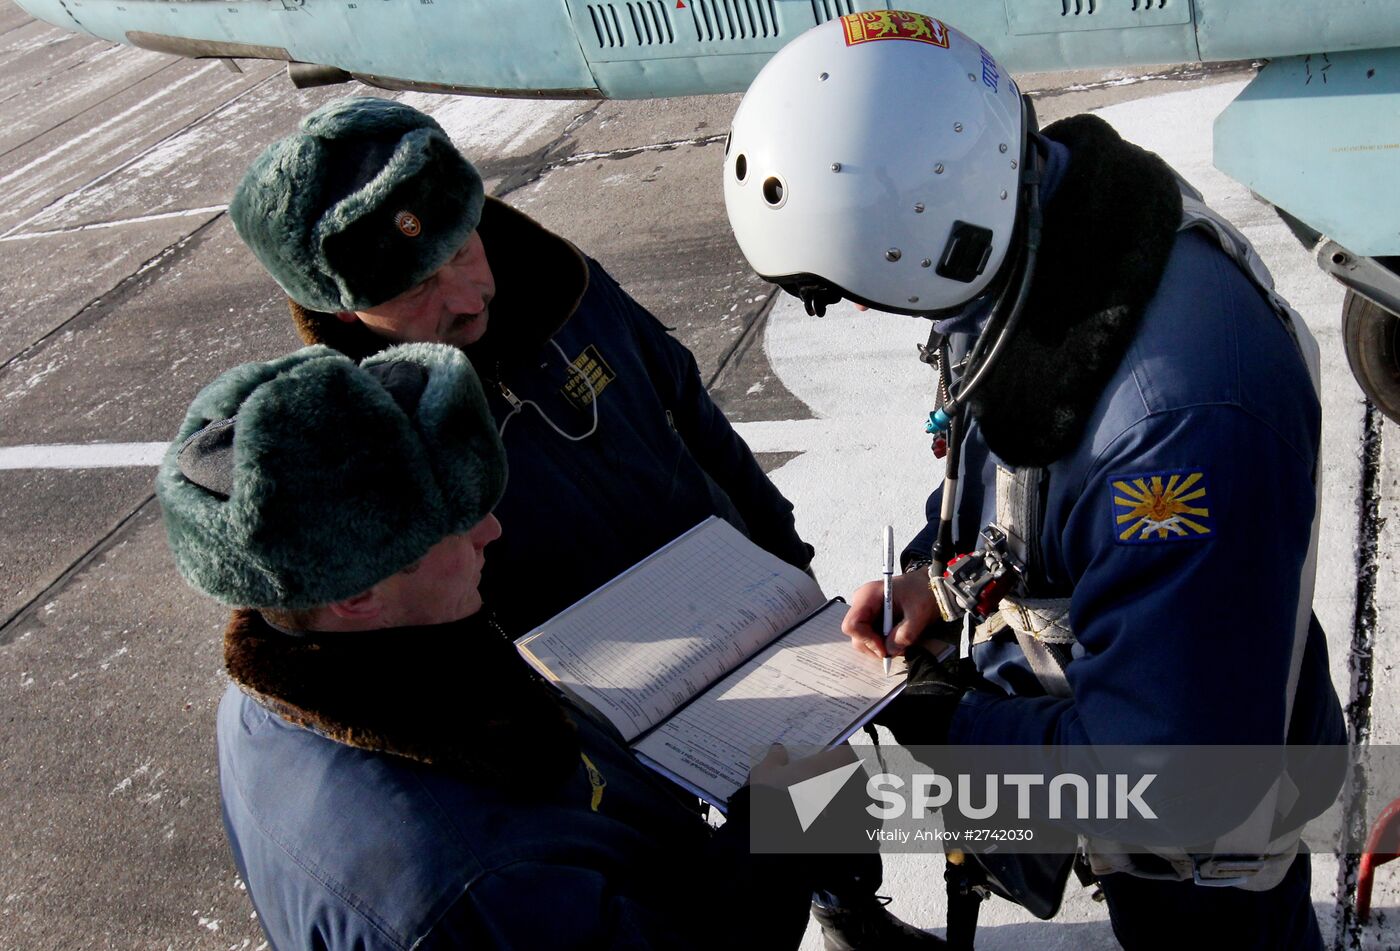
(316, 206)
(408, 223)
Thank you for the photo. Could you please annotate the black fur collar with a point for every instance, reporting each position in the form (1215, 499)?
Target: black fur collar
(1109, 229)
(540, 280)
(455, 696)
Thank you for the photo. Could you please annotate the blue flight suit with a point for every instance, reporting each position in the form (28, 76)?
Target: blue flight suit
(1178, 525)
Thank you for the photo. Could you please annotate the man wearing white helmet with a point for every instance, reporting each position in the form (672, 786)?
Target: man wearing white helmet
(1131, 424)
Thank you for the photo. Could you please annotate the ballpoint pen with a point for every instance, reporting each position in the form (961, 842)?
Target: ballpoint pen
(889, 591)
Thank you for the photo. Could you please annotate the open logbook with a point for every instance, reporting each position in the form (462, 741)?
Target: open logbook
(707, 650)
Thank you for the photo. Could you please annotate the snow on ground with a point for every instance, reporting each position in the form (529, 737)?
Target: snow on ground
(500, 126)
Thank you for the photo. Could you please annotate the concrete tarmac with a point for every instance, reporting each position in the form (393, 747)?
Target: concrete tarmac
(126, 290)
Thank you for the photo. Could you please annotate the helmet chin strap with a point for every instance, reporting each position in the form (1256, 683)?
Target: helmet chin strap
(817, 297)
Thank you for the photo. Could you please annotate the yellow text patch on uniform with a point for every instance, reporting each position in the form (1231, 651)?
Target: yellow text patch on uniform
(596, 783)
(590, 366)
(1161, 507)
(894, 25)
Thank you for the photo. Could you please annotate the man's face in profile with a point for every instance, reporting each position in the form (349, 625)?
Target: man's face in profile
(450, 306)
(443, 585)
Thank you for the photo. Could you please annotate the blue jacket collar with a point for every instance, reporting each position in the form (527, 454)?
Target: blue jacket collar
(1111, 218)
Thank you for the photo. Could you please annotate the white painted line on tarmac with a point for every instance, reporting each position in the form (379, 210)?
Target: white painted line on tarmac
(140, 219)
(793, 435)
(110, 455)
(767, 436)
(51, 157)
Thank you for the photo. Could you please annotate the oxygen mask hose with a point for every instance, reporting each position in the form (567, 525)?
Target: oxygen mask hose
(942, 551)
(949, 417)
(953, 411)
(980, 364)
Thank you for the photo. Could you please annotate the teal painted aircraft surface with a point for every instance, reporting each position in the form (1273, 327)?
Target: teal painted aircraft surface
(1317, 132)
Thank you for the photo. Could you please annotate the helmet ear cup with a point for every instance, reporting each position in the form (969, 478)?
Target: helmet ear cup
(876, 156)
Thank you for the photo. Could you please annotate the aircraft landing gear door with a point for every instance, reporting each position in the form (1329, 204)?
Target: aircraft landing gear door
(643, 48)
(1318, 136)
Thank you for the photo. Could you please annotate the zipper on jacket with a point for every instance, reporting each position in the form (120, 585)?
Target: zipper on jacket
(515, 404)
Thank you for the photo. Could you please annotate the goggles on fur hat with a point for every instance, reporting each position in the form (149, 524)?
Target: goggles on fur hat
(365, 201)
(308, 479)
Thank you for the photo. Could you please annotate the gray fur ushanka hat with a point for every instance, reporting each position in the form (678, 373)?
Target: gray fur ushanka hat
(366, 200)
(308, 479)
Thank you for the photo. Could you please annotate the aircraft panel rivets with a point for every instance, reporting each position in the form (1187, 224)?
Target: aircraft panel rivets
(1003, 196)
(1003, 148)
(836, 166)
(918, 208)
(824, 77)
(957, 126)
(914, 300)
(893, 254)
(938, 169)
(926, 263)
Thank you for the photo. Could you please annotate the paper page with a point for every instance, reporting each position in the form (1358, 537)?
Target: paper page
(810, 689)
(652, 638)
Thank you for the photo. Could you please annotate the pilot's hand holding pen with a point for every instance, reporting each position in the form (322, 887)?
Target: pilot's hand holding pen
(913, 607)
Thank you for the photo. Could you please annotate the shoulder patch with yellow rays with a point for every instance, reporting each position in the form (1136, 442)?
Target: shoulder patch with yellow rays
(1161, 507)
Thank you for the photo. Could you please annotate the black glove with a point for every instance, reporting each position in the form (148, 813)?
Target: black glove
(922, 713)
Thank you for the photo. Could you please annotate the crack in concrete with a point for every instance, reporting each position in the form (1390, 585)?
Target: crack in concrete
(144, 513)
(90, 47)
(19, 26)
(1360, 660)
(536, 165)
(745, 340)
(531, 168)
(104, 100)
(63, 199)
(160, 259)
(631, 150)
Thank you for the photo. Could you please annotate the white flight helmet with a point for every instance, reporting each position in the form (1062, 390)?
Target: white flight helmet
(877, 157)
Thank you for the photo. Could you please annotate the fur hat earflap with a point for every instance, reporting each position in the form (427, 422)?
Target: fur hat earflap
(365, 201)
(308, 479)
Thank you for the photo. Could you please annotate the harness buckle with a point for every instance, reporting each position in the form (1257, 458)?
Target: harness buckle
(976, 583)
(1225, 871)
